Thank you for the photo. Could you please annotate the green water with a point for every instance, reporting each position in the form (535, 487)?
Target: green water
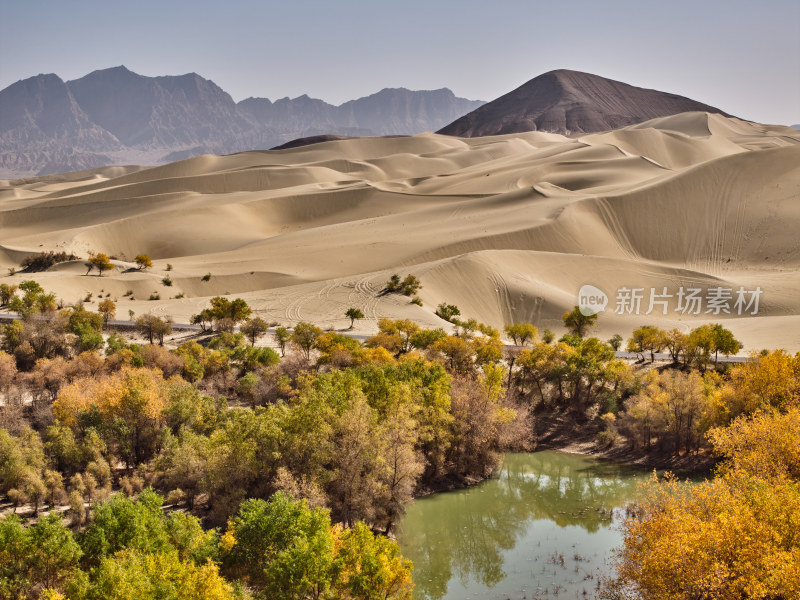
(543, 527)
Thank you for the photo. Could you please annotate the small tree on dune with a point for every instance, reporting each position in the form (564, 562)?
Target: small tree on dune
(393, 284)
(101, 262)
(143, 262)
(353, 314)
(410, 285)
(447, 311)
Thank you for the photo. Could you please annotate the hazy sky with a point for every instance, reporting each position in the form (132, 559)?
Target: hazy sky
(743, 57)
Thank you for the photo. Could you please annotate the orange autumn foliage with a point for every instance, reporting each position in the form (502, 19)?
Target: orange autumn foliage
(140, 391)
(735, 537)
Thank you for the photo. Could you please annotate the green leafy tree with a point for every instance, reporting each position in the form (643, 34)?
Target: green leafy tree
(647, 339)
(42, 555)
(236, 310)
(577, 323)
(120, 522)
(282, 336)
(410, 285)
(353, 314)
(87, 338)
(615, 342)
(21, 465)
(80, 316)
(393, 285)
(305, 337)
(34, 300)
(447, 311)
(282, 547)
(425, 338)
(724, 342)
(521, 333)
(204, 318)
(7, 292)
(153, 328)
(254, 328)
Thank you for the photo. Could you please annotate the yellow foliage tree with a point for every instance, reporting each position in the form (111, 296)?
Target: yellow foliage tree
(133, 575)
(737, 536)
(672, 406)
(765, 446)
(733, 537)
(768, 382)
(370, 567)
(130, 403)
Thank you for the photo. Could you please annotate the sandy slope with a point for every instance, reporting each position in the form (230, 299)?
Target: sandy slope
(508, 227)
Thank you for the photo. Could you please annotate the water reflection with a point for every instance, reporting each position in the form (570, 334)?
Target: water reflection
(541, 526)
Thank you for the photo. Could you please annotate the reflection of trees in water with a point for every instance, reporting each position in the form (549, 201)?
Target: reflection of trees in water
(463, 533)
(569, 490)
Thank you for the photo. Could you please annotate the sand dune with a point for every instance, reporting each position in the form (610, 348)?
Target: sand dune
(506, 227)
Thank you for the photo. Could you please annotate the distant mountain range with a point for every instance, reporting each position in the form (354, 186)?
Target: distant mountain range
(571, 102)
(115, 116)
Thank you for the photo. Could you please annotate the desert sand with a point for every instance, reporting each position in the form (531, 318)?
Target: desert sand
(508, 228)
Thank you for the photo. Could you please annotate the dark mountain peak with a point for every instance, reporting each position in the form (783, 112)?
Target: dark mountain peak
(47, 83)
(402, 92)
(119, 69)
(111, 76)
(313, 139)
(388, 90)
(195, 87)
(254, 100)
(571, 102)
(36, 103)
(42, 79)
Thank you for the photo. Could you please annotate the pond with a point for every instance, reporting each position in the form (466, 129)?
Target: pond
(542, 527)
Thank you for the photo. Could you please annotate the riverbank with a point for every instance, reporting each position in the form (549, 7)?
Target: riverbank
(562, 433)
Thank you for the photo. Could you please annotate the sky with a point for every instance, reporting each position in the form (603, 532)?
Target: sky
(742, 57)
